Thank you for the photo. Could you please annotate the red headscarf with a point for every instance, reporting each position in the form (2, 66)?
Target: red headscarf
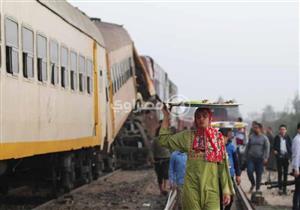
(208, 140)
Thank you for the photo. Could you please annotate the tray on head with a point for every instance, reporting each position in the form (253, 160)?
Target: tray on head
(229, 124)
(204, 104)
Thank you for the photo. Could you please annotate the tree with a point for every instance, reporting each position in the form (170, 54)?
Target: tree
(268, 115)
(296, 104)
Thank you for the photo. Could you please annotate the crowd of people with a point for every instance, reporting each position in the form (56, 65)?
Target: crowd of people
(202, 164)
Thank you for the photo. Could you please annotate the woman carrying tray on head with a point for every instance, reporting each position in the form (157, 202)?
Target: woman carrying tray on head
(206, 164)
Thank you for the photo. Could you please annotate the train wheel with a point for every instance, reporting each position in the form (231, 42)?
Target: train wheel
(3, 183)
(98, 165)
(89, 168)
(68, 172)
(85, 166)
(112, 160)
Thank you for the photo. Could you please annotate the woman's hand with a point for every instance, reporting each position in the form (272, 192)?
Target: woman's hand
(166, 111)
(166, 120)
(238, 180)
(226, 199)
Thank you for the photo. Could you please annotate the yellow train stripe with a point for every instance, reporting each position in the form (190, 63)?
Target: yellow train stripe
(27, 149)
(96, 94)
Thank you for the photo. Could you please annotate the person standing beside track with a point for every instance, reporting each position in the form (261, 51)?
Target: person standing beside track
(296, 168)
(161, 164)
(272, 161)
(282, 150)
(233, 159)
(257, 154)
(177, 173)
(206, 164)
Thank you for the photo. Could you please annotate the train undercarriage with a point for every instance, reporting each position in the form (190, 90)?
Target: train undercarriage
(64, 171)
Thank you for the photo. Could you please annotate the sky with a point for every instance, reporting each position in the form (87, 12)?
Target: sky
(242, 50)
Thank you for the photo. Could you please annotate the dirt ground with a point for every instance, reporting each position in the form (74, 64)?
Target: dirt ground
(272, 197)
(123, 190)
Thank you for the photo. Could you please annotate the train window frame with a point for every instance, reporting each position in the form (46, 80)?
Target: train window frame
(54, 65)
(73, 80)
(27, 54)
(11, 49)
(81, 73)
(44, 74)
(113, 78)
(106, 84)
(127, 70)
(120, 75)
(64, 69)
(89, 75)
(117, 77)
(123, 73)
(130, 67)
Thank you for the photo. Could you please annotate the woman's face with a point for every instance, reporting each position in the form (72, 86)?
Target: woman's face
(202, 119)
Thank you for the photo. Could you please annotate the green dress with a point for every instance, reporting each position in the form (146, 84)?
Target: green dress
(201, 184)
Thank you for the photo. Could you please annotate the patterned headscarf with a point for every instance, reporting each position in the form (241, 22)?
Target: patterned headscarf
(208, 140)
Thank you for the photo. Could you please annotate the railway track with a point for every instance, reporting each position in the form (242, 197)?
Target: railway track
(68, 197)
(241, 202)
(24, 197)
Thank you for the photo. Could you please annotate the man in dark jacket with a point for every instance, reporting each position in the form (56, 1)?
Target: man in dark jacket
(282, 150)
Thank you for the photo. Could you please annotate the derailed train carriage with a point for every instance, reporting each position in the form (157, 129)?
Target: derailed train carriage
(62, 79)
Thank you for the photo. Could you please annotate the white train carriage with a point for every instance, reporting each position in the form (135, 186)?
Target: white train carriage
(129, 83)
(121, 74)
(51, 59)
(67, 86)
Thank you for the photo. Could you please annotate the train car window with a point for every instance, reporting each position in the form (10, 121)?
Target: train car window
(27, 54)
(54, 62)
(12, 45)
(89, 76)
(118, 76)
(81, 73)
(121, 74)
(127, 71)
(64, 67)
(124, 72)
(42, 58)
(130, 68)
(113, 78)
(73, 72)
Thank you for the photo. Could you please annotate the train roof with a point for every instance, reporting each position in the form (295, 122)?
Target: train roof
(75, 17)
(115, 36)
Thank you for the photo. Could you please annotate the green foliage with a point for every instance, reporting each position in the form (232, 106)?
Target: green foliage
(290, 119)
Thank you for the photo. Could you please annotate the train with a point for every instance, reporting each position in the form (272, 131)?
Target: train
(70, 88)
